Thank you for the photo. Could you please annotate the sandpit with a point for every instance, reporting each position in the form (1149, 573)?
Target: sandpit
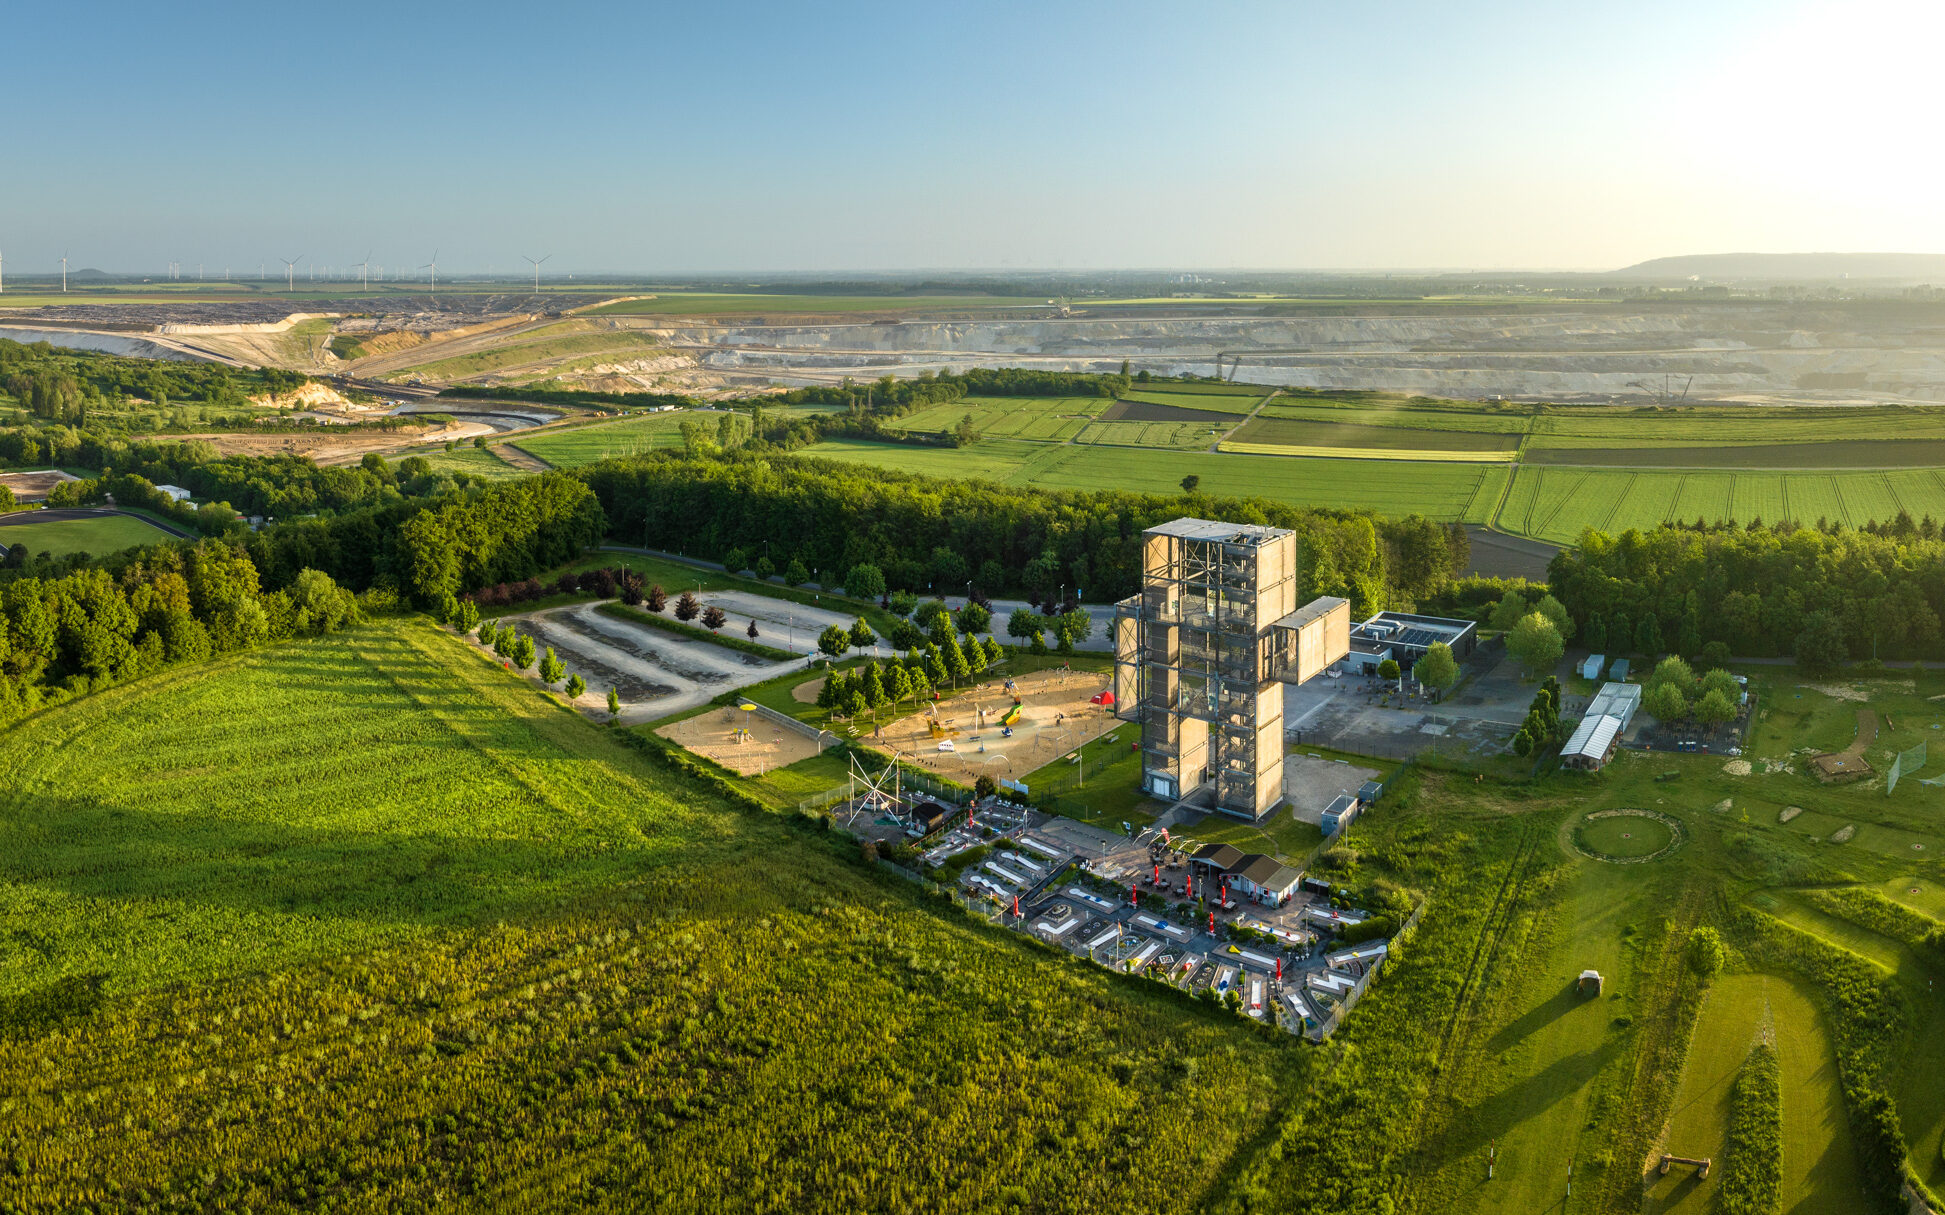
(1738, 767)
(1849, 762)
(1055, 717)
(716, 735)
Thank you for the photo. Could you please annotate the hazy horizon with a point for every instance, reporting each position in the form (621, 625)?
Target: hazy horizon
(753, 139)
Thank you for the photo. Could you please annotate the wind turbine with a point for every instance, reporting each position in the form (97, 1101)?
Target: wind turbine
(364, 268)
(290, 271)
(3, 275)
(536, 271)
(433, 266)
(64, 272)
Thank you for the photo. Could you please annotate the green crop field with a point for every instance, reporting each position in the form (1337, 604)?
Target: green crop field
(451, 946)
(1295, 432)
(604, 440)
(474, 461)
(1050, 418)
(97, 536)
(1445, 491)
(1152, 434)
(1556, 503)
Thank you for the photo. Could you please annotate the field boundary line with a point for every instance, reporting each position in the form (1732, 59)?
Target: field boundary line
(1837, 492)
(1607, 524)
(1891, 487)
(1249, 417)
(1572, 491)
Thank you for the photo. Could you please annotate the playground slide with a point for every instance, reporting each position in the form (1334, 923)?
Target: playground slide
(1011, 717)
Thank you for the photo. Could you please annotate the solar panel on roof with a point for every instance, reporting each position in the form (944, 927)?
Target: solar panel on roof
(1418, 637)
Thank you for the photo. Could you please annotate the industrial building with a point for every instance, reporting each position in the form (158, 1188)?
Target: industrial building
(1341, 812)
(1201, 654)
(1598, 735)
(1404, 637)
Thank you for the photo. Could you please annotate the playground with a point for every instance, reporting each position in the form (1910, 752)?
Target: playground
(740, 740)
(1002, 729)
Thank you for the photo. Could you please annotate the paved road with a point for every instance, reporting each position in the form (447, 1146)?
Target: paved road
(27, 518)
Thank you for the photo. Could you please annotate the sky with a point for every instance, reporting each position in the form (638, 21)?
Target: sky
(741, 137)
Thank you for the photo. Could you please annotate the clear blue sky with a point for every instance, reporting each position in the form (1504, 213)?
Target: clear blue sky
(722, 136)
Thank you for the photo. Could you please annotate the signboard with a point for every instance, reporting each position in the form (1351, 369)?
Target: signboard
(1018, 787)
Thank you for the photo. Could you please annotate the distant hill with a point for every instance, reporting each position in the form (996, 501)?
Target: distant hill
(89, 276)
(1917, 267)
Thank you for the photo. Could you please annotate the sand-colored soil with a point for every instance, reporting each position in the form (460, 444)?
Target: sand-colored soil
(1055, 718)
(33, 486)
(1850, 761)
(716, 735)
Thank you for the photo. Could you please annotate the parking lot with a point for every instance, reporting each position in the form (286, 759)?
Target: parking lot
(1366, 715)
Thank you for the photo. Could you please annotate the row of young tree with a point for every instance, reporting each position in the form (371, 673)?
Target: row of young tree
(823, 519)
(873, 687)
(1820, 596)
(518, 651)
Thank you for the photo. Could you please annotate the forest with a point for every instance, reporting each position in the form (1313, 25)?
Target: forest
(928, 534)
(1821, 596)
(63, 385)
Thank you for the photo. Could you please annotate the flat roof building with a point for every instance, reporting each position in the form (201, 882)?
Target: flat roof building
(1341, 813)
(1405, 636)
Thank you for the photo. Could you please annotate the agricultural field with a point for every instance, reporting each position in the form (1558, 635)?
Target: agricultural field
(1445, 491)
(499, 970)
(473, 461)
(621, 437)
(1294, 432)
(1557, 503)
(97, 536)
(1054, 419)
(1545, 472)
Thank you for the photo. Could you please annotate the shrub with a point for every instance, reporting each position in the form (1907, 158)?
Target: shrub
(1752, 1174)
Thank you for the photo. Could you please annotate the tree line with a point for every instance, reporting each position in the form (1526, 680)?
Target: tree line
(95, 627)
(820, 519)
(1821, 596)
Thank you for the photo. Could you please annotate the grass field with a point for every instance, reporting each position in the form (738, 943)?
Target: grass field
(474, 461)
(97, 537)
(454, 947)
(1819, 1162)
(1624, 836)
(1557, 503)
(1445, 491)
(624, 436)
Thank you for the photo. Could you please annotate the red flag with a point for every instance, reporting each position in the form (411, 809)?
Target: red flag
(1212, 922)
(1134, 896)
(1158, 873)
(1016, 908)
(1279, 970)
